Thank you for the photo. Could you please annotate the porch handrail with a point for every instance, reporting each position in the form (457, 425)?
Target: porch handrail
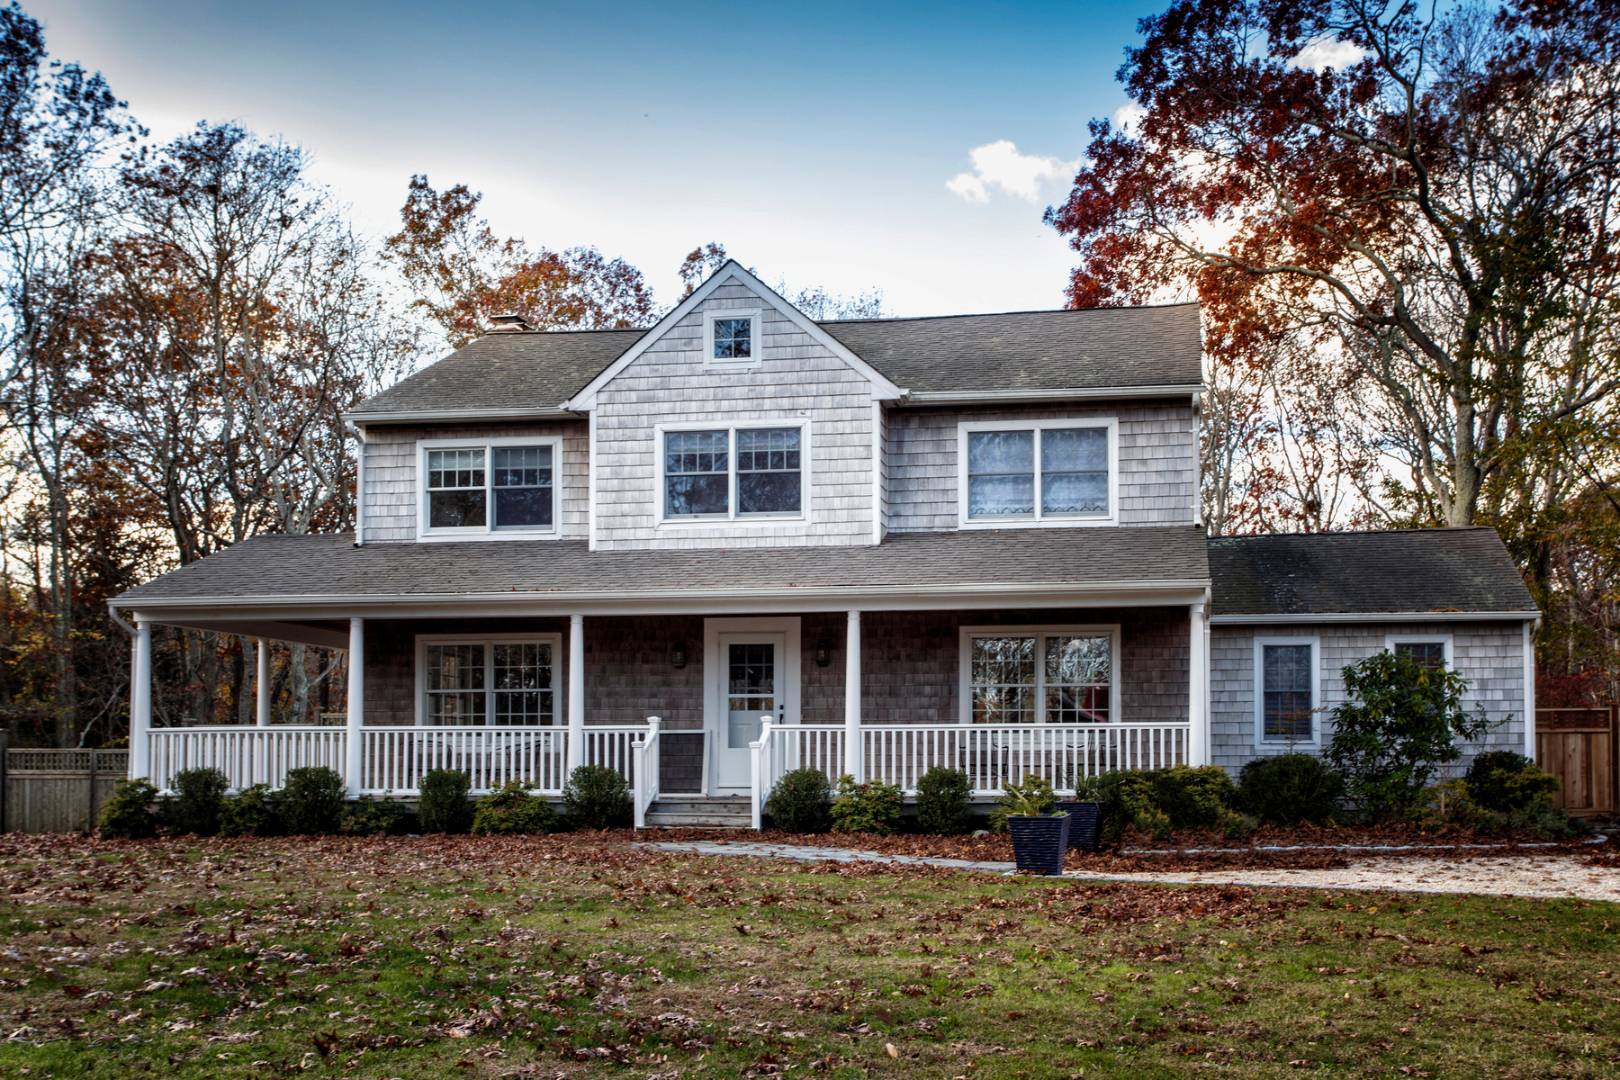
(761, 772)
(644, 770)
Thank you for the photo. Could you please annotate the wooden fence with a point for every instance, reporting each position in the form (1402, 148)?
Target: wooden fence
(1579, 746)
(56, 790)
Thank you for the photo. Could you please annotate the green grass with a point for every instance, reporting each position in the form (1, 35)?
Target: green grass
(574, 955)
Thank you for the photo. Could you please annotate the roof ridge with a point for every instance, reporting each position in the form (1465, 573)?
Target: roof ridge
(1018, 311)
(1358, 532)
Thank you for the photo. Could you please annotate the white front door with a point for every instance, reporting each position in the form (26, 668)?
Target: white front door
(752, 671)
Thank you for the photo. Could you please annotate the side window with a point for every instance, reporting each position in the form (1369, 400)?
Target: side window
(1285, 690)
(1428, 652)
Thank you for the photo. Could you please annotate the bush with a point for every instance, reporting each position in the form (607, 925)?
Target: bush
(512, 810)
(1127, 800)
(199, 797)
(443, 806)
(801, 802)
(1502, 781)
(597, 797)
(871, 807)
(944, 801)
(1402, 720)
(129, 812)
(253, 811)
(1032, 797)
(1290, 788)
(311, 801)
(1191, 797)
(370, 817)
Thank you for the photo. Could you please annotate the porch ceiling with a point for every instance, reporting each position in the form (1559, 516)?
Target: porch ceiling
(331, 574)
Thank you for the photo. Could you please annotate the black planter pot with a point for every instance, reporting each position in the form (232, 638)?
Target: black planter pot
(1039, 843)
(1084, 818)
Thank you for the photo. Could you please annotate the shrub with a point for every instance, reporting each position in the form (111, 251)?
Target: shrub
(1032, 797)
(871, 807)
(597, 797)
(1450, 803)
(1193, 797)
(199, 797)
(311, 801)
(129, 812)
(512, 810)
(1127, 801)
(1290, 788)
(253, 811)
(944, 801)
(443, 806)
(1401, 721)
(801, 802)
(371, 817)
(1503, 781)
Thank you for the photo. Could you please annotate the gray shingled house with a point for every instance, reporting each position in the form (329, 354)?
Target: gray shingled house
(743, 541)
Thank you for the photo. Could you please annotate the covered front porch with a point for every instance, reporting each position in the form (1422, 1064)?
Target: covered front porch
(718, 704)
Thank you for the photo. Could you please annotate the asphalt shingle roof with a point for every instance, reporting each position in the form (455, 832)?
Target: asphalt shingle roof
(331, 567)
(1416, 570)
(1102, 348)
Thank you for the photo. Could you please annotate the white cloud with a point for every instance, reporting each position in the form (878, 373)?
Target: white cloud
(1003, 166)
(1128, 118)
(1324, 53)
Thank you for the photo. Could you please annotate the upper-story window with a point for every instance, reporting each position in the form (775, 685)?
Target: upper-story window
(1038, 472)
(733, 472)
(731, 337)
(489, 488)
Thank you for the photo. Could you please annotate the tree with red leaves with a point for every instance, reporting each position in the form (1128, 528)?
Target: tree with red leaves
(1417, 204)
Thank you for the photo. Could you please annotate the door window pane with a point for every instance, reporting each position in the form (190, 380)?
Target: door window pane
(750, 690)
(1074, 471)
(455, 488)
(523, 486)
(768, 471)
(696, 472)
(1286, 681)
(1001, 473)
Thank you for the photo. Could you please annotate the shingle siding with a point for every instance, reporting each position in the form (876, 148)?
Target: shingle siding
(795, 378)
(1489, 655)
(391, 483)
(1158, 461)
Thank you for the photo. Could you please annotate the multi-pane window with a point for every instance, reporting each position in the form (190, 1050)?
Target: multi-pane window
(734, 472)
(1059, 677)
(489, 682)
(1427, 653)
(1287, 679)
(1056, 470)
(733, 339)
(490, 488)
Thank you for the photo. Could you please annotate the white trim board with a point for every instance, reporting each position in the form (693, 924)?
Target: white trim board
(585, 399)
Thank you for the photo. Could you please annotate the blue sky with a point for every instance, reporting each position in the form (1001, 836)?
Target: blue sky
(828, 144)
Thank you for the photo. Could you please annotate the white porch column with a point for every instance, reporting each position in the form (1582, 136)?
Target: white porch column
(576, 692)
(140, 702)
(261, 682)
(853, 763)
(1197, 686)
(353, 748)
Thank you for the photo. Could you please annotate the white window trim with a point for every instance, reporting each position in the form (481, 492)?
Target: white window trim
(756, 344)
(1037, 520)
(1260, 643)
(731, 518)
(487, 531)
(964, 664)
(488, 641)
(1393, 640)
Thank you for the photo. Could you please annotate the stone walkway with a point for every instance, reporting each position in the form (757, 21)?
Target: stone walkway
(1537, 876)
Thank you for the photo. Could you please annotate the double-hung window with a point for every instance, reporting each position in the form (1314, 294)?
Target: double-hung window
(1430, 651)
(499, 681)
(1052, 472)
(482, 489)
(733, 472)
(1056, 675)
(1287, 689)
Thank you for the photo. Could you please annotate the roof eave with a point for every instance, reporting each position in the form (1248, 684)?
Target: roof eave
(1034, 396)
(515, 412)
(1252, 619)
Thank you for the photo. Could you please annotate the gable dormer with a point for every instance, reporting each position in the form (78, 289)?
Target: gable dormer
(735, 421)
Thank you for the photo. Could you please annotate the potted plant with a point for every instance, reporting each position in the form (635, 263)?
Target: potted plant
(1040, 832)
(1085, 813)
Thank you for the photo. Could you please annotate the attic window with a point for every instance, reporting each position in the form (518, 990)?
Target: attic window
(731, 337)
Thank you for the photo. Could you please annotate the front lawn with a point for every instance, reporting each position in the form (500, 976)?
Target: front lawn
(570, 954)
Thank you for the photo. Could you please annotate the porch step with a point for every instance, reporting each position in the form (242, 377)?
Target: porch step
(698, 812)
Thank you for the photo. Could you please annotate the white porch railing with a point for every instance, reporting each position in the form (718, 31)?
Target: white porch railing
(644, 771)
(394, 759)
(246, 755)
